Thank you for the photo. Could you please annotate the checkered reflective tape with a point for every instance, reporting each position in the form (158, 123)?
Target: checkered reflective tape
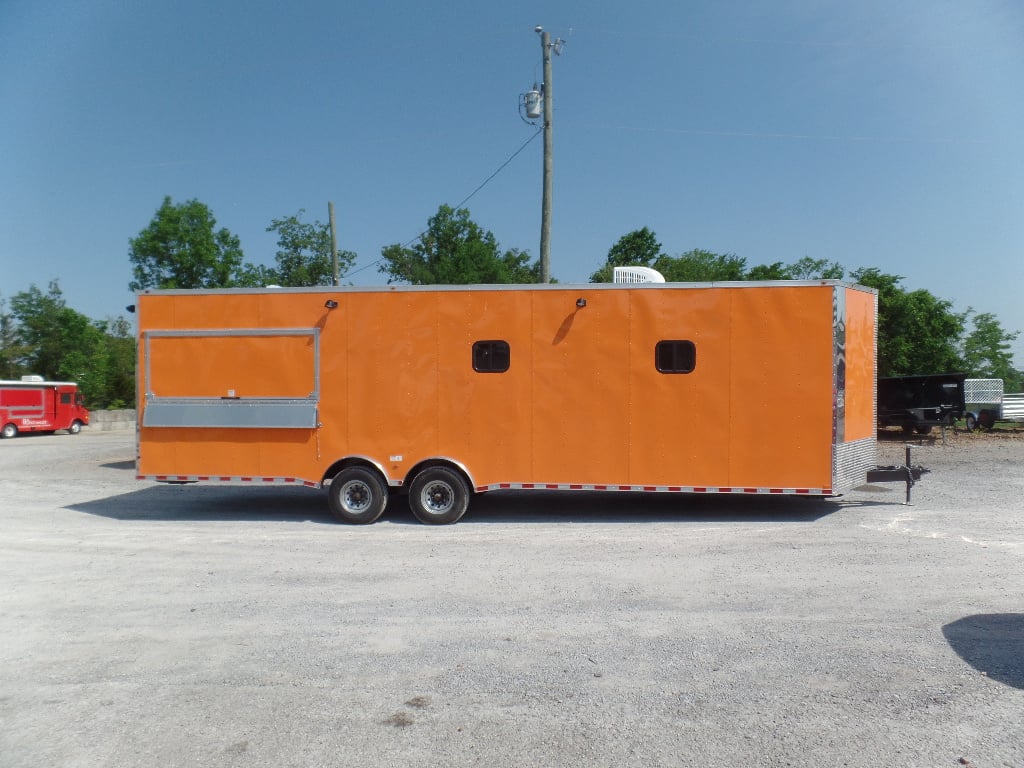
(655, 489)
(241, 479)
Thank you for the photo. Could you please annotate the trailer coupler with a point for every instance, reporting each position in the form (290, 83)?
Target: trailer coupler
(898, 473)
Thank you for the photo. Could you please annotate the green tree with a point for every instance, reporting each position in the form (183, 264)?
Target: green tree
(38, 319)
(85, 359)
(58, 343)
(815, 269)
(12, 352)
(255, 276)
(698, 266)
(802, 269)
(639, 248)
(61, 344)
(454, 250)
(774, 271)
(304, 253)
(917, 332)
(182, 248)
(986, 350)
(119, 351)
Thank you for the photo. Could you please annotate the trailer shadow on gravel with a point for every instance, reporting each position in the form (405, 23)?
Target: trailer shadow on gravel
(992, 643)
(124, 465)
(211, 503)
(629, 507)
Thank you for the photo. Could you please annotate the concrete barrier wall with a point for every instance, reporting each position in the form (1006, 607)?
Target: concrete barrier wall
(106, 421)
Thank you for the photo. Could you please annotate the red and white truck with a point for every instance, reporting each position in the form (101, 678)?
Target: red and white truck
(35, 405)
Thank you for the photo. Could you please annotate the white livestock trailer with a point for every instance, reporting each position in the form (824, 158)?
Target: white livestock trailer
(987, 403)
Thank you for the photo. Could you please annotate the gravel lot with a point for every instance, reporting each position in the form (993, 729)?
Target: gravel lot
(148, 625)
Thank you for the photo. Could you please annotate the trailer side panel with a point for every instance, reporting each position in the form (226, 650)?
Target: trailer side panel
(733, 388)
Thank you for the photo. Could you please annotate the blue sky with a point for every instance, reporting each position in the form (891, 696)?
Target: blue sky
(871, 133)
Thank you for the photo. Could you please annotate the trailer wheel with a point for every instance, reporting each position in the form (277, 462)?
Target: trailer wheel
(75, 428)
(357, 495)
(438, 496)
(8, 431)
(924, 429)
(971, 422)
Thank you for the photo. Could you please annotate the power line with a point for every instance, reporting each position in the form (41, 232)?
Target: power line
(500, 169)
(462, 202)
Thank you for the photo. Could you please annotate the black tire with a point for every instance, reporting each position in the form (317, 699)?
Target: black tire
(357, 495)
(438, 496)
(908, 429)
(8, 431)
(971, 422)
(75, 428)
(924, 429)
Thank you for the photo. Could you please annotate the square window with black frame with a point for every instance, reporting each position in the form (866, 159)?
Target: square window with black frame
(675, 356)
(493, 356)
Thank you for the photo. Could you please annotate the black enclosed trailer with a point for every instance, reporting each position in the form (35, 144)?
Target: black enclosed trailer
(918, 403)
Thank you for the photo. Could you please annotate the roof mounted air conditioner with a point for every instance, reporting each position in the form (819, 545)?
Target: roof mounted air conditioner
(636, 275)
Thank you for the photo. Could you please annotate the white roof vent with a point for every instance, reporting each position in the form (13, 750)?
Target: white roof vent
(636, 275)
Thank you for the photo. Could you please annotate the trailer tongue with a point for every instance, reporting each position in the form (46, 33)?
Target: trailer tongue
(899, 473)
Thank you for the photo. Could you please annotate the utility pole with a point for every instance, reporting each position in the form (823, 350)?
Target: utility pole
(546, 47)
(334, 243)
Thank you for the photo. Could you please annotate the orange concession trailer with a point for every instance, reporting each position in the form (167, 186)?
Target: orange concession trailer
(447, 391)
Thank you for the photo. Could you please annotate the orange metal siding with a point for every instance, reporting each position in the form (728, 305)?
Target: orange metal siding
(581, 402)
(580, 406)
(860, 365)
(192, 367)
(679, 423)
(781, 387)
(392, 379)
(486, 419)
(232, 366)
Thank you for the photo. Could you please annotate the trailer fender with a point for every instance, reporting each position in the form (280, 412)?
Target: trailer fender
(440, 461)
(357, 461)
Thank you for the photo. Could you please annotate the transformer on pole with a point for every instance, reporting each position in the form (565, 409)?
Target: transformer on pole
(532, 103)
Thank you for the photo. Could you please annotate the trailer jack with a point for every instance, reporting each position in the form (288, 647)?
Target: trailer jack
(898, 473)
